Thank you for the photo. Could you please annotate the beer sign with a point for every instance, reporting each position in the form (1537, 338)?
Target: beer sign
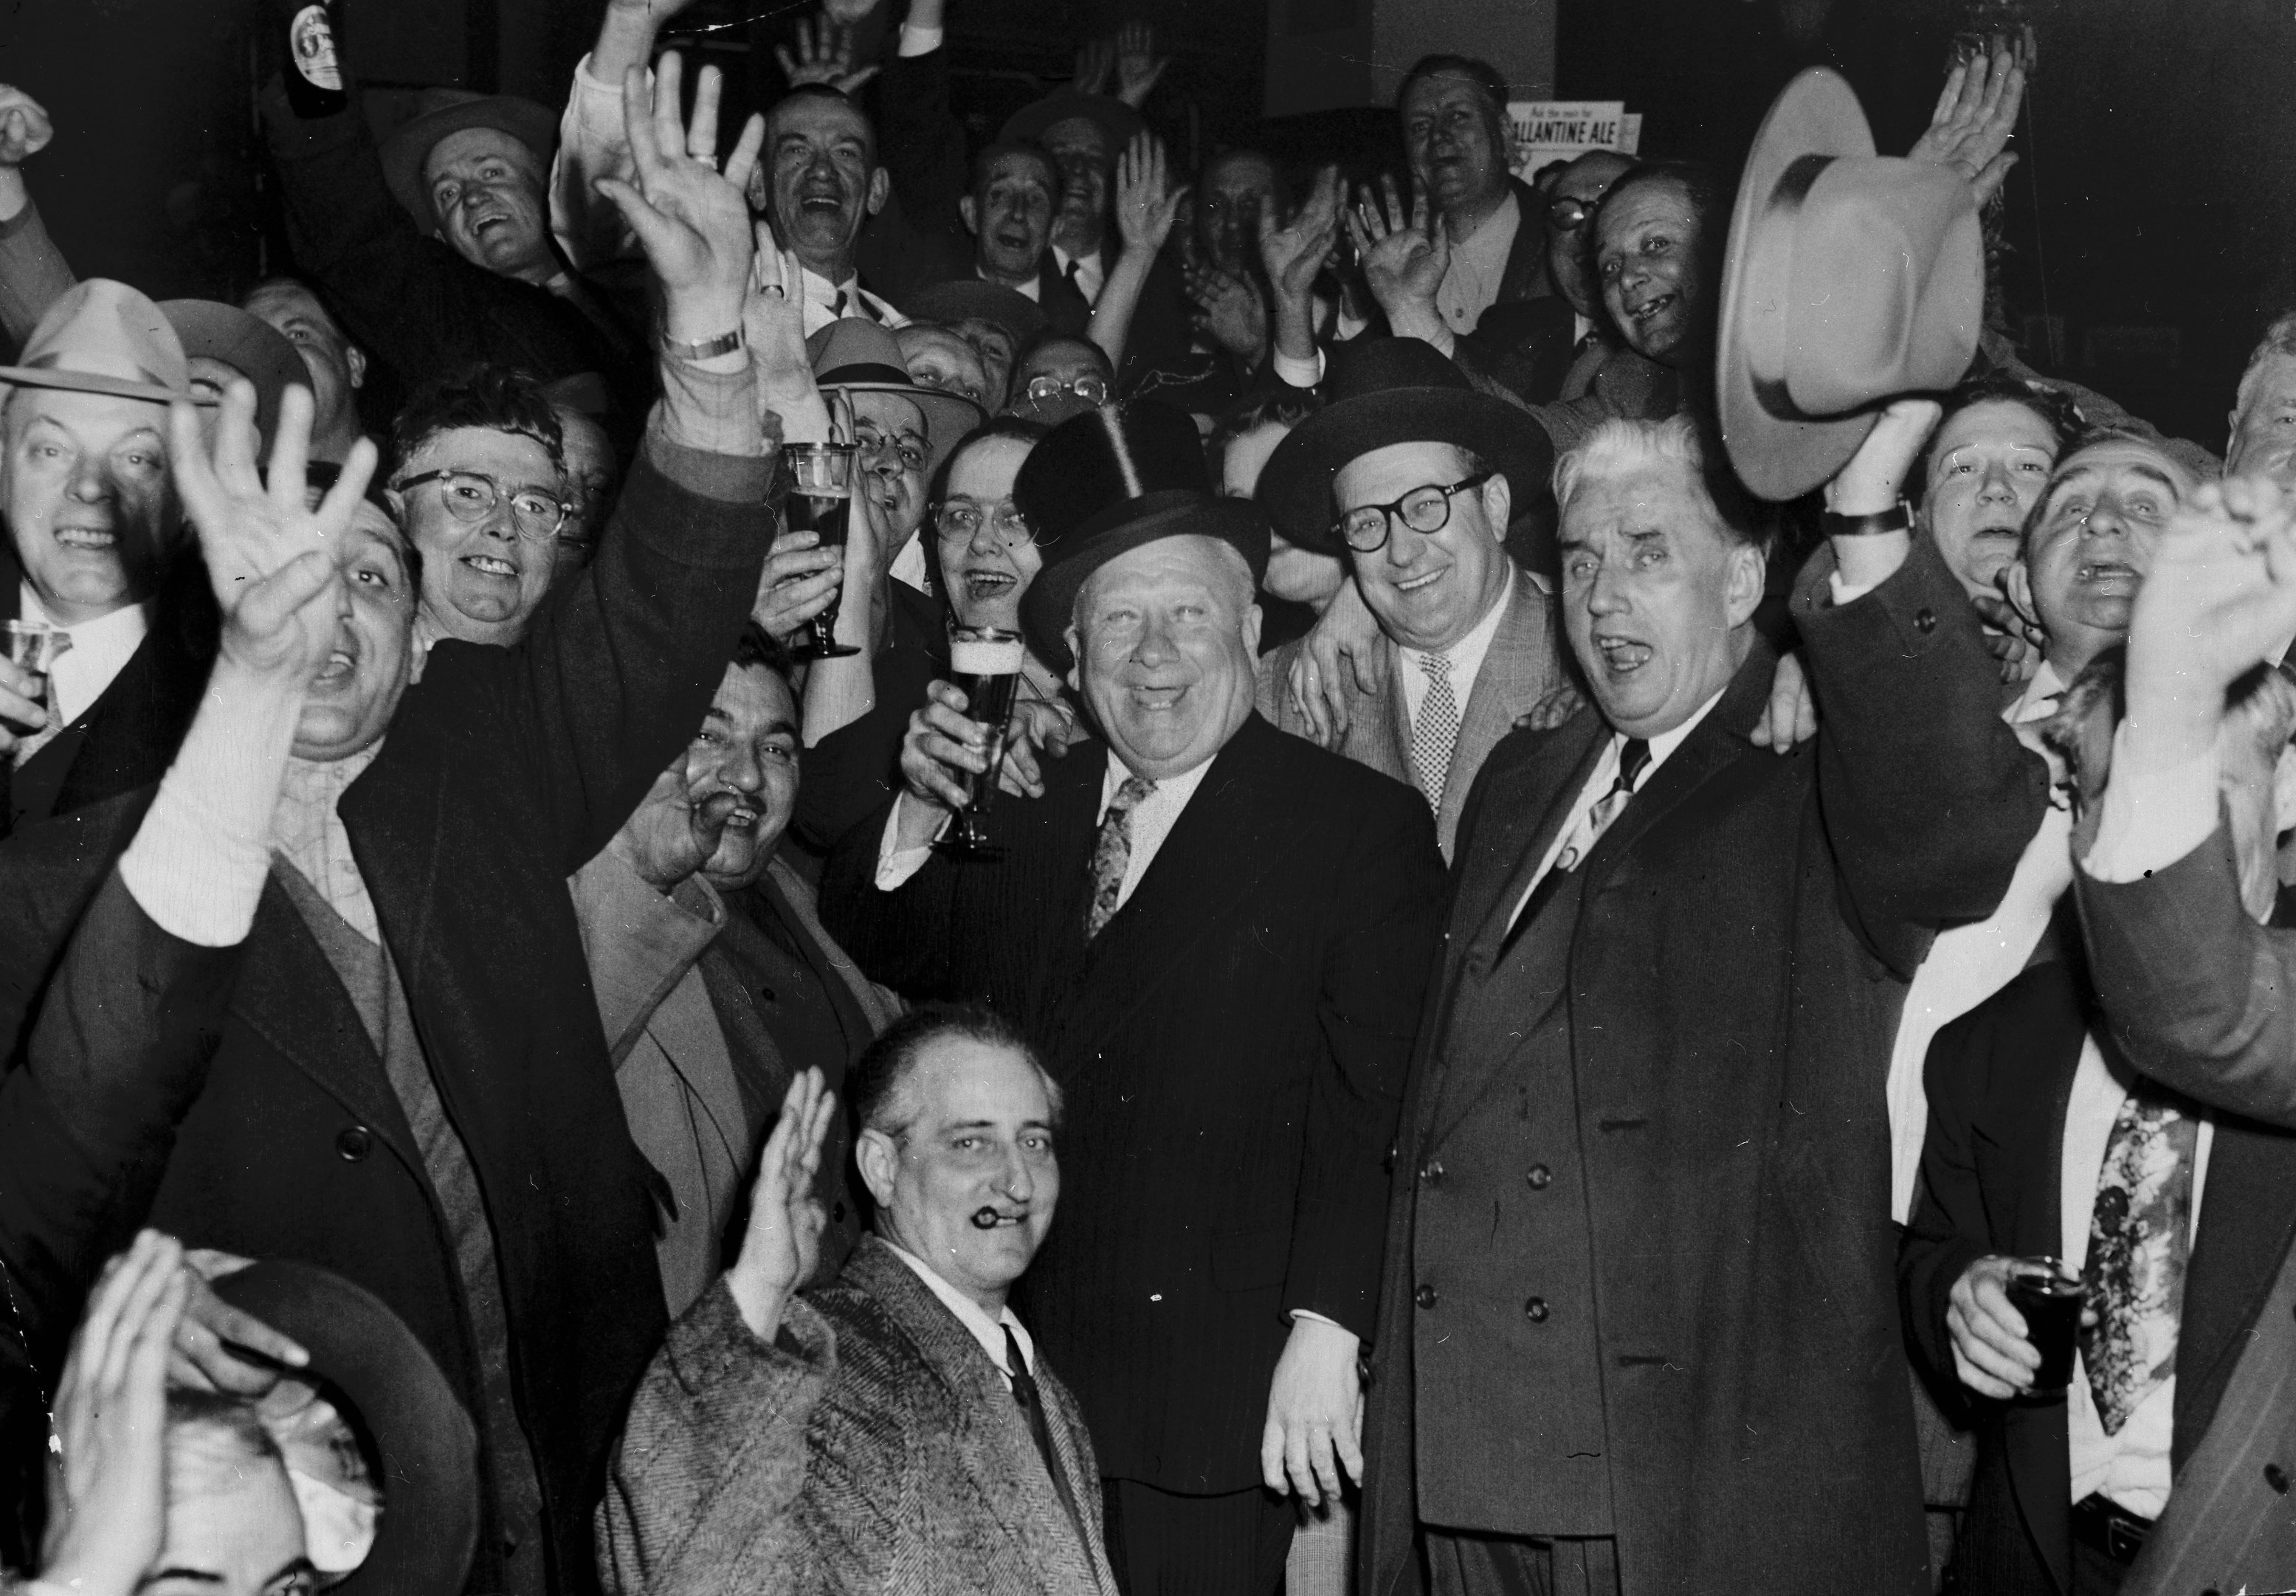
(1542, 132)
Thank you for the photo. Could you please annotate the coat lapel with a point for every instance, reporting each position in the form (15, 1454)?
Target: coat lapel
(1519, 669)
(1523, 816)
(991, 1434)
(2248, 1219)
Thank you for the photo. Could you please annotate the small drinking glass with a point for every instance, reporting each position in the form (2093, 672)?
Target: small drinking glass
(820, 502)
(986, 664)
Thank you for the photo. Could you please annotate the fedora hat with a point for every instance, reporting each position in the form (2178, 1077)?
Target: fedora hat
(1390, 390)
(855, 355)
(103, 336)
(444, 111)
(1110, 481)
(1116, 120)
(255, 349)
(1850, 279)
(970, 299)
(423, 1443)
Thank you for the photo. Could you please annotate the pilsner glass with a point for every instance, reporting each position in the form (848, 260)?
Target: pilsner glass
(820, 502)
(986, 664)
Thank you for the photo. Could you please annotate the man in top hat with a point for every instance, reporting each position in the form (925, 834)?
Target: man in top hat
(93, 554)
(437, 249)
(1217, 936)
(1409, 474)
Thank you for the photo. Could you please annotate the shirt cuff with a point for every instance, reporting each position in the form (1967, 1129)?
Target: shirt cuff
(896, 865)
(1444, 342)
(2151, 817)
(1299, 1313)
(709, 435)
(1848, 593)
(197, 862)
(1299, 373)
(920, 41)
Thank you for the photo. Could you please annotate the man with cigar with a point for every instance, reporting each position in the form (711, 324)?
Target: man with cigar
(1218, 936)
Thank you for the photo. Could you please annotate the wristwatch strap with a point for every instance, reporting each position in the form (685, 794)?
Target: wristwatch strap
(1898, 518)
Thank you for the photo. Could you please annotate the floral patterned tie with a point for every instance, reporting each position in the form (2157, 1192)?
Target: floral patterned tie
(1113, 853)
(2139, 1240)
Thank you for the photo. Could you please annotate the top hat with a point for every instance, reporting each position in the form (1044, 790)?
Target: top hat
(1116, 120)
(103, 336)
(1110, 481)
(855, 355)
(1851, 278)
(254, 348)
(424, 1443)
(970, 299)
(1388, 390)
(445, 110)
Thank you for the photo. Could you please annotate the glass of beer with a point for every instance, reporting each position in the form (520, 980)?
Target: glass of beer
(2049, 1296)
(986, 663)
(820, 501)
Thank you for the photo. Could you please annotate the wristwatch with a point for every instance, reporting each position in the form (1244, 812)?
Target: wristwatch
(1898, 518)
(708, 348)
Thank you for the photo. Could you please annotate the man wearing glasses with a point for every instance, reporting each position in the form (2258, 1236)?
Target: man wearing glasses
(1409, 475)
(479, 485)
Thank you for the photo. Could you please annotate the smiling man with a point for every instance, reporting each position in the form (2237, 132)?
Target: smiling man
(1638, 1295)
(1009, 213)
(1218, 934)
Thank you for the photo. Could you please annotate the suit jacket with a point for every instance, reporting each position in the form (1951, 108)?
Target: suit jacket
(1232, 1047)
(1733, 975)
(872, 1447)
(1524, 664)
(1999, 1079)
(128, 737)
(2210, 1019)
(504, 770)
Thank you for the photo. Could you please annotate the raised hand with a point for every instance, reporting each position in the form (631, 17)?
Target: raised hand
(782, 1241)
(825, 56)
(108, 1508)
(1296, 251)
(25, 129)
(849, 13)
(1228, 310)
(1404, 257)
(1975, 115)
(1095, 59)
(2221, 596)
(666, 838)
(1138, 67)
(692, 219)
(270, 560)
(1146, 202)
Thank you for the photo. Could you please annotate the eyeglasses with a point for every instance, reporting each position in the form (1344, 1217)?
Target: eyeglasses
(1426, 511)
(472, 496)
(1091, 390)
(1568, 214)
(959, 521)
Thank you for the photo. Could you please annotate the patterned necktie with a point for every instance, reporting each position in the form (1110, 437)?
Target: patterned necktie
(1633, 754)
(58, 643)
(1032, 1405)
(2139, 1238)
(1113, 853)
(1435, 731)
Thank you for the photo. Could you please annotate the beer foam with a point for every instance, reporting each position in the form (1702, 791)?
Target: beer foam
(969, 657)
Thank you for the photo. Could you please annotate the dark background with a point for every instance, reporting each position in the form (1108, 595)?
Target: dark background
(2150, 228)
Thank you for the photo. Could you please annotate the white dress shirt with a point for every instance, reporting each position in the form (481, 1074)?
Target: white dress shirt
(990, 1332)
(100, 649)
(2130, 1467)
(1470, 283)
(1969, 963)
(1153, 820)
(1606, 774)
(1031, 289)
(1466, 658)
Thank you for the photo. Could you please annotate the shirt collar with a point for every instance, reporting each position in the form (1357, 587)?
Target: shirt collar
(1177, 790)
(990, 1332)
(128, 622)
(1466, 655)
(2039, 697)
(100, 649)
(1666, 742)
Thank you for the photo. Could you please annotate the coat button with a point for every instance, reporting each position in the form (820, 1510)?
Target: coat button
(355, 1144)
(1540, 1177)
(1425, 1296)
(1925, 619)
(1432, 1172)
(2276, 1477)
(1535, 1310)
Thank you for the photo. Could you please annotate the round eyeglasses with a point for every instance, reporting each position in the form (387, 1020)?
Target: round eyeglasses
(472, 496)
(959, 521)
(1092, 390)
(1426, 511)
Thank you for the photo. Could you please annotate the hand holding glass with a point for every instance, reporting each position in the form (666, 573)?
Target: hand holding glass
(986, 663)
(820, 502)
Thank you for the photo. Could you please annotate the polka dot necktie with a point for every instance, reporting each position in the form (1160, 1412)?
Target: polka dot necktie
(1435, 730)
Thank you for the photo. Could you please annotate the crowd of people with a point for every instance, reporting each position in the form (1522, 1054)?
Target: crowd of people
(1631, 892)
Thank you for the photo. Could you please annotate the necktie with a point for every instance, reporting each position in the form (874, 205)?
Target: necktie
(1076, 281)
(1113, 853)
(59, 643)
(837, 306)
(2139, 1238)
(1435, 731)
(1033, 1405)
(1633, 754)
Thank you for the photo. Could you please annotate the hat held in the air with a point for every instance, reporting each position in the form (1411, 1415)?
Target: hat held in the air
(103, 336)
(1851, 279)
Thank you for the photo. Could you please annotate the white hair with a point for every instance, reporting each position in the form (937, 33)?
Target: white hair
(1619, 448)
